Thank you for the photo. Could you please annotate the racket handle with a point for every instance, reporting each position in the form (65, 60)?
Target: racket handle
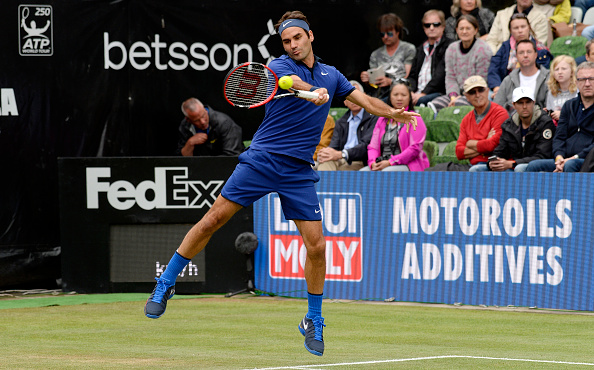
(306, 94)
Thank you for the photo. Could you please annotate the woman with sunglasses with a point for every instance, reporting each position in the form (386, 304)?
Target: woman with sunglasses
(395, 57)
(484, 16)
(505, 60)
(393, 147)
(470, 56)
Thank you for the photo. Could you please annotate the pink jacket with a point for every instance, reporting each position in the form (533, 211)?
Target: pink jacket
(411, 145)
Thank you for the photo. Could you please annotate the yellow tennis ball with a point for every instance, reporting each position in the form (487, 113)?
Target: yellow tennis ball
(285, 82)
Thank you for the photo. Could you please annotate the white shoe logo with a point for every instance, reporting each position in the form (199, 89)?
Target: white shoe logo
(285, 24)
(305, 325)
(324, 74)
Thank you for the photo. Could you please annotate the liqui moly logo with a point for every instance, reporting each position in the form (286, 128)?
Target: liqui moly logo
(342, 223)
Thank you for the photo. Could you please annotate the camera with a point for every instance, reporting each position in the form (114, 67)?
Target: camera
(382, 158)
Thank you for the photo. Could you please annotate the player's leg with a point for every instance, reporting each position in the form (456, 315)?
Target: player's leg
(312, 324)
(195, 240)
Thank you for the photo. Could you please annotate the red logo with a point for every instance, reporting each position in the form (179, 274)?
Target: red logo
(342, 230)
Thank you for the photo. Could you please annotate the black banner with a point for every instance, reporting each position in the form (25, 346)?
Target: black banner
(123, 218)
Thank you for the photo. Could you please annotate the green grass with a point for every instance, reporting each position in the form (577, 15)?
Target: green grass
(256, 332)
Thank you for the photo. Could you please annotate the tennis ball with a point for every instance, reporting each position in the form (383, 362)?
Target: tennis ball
(285, 82)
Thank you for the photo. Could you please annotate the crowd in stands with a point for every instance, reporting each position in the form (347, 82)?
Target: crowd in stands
(527, 110)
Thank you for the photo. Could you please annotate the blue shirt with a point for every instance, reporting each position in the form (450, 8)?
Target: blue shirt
(293, 126)
(354, 121)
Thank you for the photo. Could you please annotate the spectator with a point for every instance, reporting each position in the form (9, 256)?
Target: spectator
(480, 128)
(525, 136)
(427, 75)
(468, 57)
(562, 85)
(528, 75)
(325, 138)
(484, 16)
(506, 60)
(555, 10)
(574, 137)
(394, 147)
(396, 56)
(348, 149)
(500, 30)
(206, 132)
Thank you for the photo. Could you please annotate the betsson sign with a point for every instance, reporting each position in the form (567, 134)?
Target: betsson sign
(180, 56)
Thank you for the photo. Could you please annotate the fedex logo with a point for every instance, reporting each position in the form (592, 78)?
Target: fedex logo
(342, 224)
(170, 188)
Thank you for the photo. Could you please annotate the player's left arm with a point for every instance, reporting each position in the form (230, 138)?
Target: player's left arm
(379, 108)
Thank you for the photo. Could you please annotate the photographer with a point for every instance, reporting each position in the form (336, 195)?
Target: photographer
(526, 136)
(393, 147)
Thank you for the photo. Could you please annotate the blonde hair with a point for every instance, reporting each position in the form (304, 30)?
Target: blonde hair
(436, 12)
(553, 85)
(455, 8)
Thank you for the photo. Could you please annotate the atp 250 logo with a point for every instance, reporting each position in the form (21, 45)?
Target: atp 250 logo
(35, 30)
(342, 222)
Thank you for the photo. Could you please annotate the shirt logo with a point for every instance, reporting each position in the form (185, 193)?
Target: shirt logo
(324, 74)
(547, 134)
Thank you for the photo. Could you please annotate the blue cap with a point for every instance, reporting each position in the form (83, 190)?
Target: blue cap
(292, 23)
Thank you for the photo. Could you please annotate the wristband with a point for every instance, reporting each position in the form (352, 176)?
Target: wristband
(314, 88)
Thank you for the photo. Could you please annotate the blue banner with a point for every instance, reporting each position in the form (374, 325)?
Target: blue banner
(493, 239)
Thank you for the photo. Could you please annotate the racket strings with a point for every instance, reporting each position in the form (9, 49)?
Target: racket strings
(249, 85)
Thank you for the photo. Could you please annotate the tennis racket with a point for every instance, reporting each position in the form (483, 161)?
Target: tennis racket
(251, 84)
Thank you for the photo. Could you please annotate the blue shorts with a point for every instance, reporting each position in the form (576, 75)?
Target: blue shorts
(260, 173)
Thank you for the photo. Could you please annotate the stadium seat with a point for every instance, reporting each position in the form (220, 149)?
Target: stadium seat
(442, 131)
(449, 155)
(574, 46)
(454, 114)
(337, 112)
(577, 14)
(426, 113)
(431, 149)
(589, 17)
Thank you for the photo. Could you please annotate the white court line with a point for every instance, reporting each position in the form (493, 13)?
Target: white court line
(420, 359)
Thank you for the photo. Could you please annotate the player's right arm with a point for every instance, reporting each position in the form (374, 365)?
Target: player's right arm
(299, 84)
(379, 108)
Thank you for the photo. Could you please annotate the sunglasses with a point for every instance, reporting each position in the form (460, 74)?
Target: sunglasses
(389, 34)
(478, 90)
(401, 80)
(434, 24)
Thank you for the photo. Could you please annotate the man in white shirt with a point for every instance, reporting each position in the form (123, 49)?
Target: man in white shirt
(528, 75)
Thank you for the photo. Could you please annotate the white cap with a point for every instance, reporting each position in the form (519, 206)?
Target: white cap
(522, 92)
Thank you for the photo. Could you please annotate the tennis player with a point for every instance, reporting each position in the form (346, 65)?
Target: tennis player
(279, 160)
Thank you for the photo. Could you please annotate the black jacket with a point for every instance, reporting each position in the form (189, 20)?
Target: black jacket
(574, 136)
(437, 83)
(224, 136)
(538, 141)
(364, 133)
